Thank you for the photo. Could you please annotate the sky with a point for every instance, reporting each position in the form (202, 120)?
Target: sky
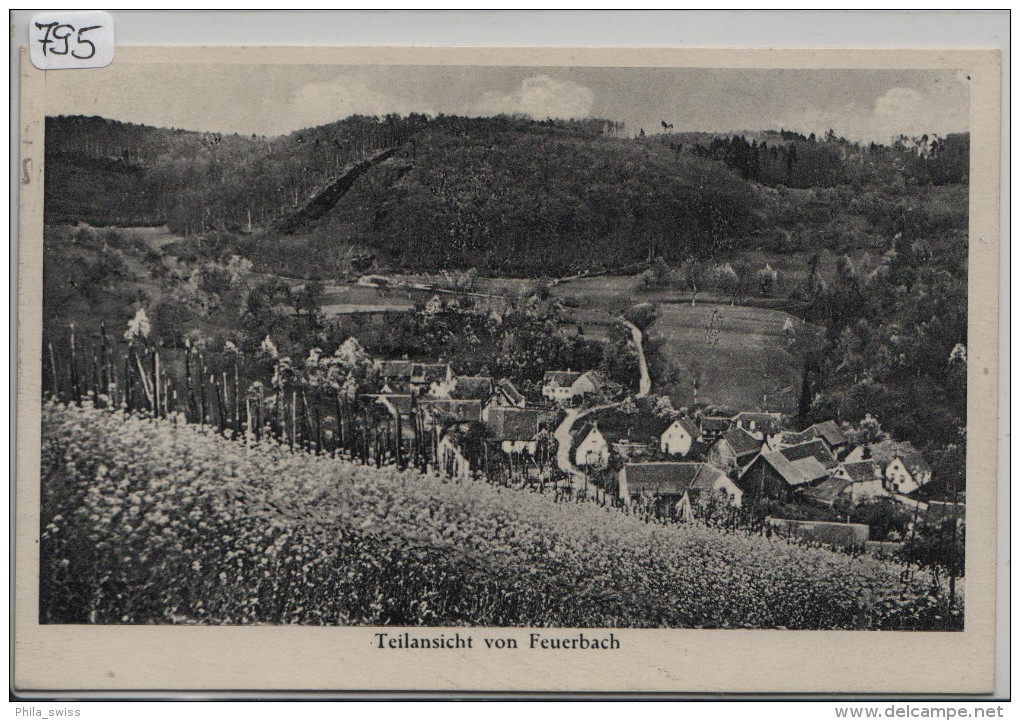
(274, 99)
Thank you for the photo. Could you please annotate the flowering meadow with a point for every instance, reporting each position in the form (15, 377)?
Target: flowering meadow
(153, 520)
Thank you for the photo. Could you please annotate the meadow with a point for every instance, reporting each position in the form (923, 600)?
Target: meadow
(739, 357)
(158, 521)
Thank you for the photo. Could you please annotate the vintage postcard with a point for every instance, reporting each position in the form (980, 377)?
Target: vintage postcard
(508, 370)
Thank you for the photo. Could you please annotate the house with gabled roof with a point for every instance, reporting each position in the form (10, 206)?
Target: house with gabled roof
(678, 436)
(817, 449)
(904, 467)
(506, 395)
(759, 425)
(589, 447)
(865, 478)
(664, 483)
(734, 449)
(772, 475)
(831, 433)
(784, 439)
(564, 386)
(515, 430)
(394, 369)
(827, 492)
(435, 379)
(438, 411)
(712, 427)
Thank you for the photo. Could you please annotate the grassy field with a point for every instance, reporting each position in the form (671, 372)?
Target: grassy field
(181, 525)
(738, 355)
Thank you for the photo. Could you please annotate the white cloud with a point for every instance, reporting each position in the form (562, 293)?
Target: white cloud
(900, 110)
(540, 96)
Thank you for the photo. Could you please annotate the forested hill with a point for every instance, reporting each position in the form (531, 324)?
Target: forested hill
(505, 195)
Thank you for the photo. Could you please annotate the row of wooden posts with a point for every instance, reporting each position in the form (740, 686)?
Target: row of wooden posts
(136, 375)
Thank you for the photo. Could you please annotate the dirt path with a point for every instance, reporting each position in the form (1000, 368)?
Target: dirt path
(563, 431)
(645, 385)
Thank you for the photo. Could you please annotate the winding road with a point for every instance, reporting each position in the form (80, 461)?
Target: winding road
(563, 431)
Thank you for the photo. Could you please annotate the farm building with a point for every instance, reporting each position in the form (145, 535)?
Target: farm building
(816, 449)
(678, 436)
(399, 370)
(664, 483)
(773, 475)
(563, 386)
(589, 447)
(450, 457)
(759, 425)
(506, 395)
(866, 478)
(514, 429)
(832, 434)
(437, 411)
(712, 427)
(435, 379)
(828, 492)
(786, 439)
(734, 450)
(477, 388)
(903, 466)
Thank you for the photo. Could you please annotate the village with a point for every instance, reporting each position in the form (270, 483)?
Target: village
(586, 438)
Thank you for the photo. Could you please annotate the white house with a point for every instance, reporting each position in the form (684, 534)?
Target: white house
(514, 429)
(903, 466)
(590, 447)
(759, 425)
(434, 379)
(664, 483)
(865, 478)
(562, 386)
(678, 436)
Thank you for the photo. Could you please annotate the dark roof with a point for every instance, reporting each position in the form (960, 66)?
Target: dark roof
(395, 368)
(802, 471)
(429, 372)
(476, 387)
(688, 425)
(513, 424)
(791, 438)
(670, 478)
(461, 410)
(510, 390)
(715, 423)
(561, 379)
(912, 458)
(813, 448)
(827, 491)
(862, 471)
(596, 379)
(830, 432)
(885, 452)
(699, 449)
(764, 422)
(742, 442)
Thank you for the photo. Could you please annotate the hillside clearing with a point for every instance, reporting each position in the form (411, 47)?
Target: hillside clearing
(739, 357)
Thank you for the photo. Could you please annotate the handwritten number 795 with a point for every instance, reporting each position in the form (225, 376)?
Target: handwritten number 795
(57, 33)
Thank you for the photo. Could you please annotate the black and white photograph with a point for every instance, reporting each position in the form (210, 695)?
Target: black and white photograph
(552, 352)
